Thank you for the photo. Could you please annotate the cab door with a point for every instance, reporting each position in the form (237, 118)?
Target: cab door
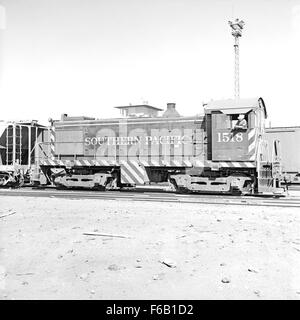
(228, 144)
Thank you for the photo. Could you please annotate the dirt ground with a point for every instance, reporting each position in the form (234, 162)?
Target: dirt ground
(170, 251)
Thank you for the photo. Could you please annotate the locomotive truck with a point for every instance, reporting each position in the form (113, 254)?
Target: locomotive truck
(202, 153)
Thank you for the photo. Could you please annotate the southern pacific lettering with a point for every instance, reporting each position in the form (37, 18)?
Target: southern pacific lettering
(133, 140)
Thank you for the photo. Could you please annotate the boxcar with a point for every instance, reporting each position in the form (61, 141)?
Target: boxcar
(289, 138)
(18, 141)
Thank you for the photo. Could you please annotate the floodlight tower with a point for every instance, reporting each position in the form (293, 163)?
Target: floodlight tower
(236, 27)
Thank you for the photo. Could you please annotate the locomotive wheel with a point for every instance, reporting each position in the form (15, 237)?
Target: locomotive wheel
(235, 191)
(183, 190)
(99, 188)
(60, 187)
(2, 181)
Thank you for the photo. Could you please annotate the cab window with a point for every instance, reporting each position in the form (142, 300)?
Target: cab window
(234, 120)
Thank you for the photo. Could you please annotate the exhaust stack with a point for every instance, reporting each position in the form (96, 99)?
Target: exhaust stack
(171, 111)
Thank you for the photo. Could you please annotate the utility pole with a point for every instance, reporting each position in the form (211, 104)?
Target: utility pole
(236, 28)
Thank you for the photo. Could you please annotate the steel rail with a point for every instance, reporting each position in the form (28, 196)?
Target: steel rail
(156, 197)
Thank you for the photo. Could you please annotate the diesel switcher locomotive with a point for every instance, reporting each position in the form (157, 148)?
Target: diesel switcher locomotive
(207, 153)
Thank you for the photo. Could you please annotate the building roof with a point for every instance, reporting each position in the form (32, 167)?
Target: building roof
(230, 106)
(139, 105)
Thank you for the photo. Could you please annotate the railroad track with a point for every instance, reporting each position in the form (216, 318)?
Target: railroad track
(154, 196)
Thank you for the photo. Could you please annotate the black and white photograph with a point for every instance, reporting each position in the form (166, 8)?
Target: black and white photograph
(149, 150)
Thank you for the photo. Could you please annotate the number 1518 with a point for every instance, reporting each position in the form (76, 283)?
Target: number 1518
(229, 137)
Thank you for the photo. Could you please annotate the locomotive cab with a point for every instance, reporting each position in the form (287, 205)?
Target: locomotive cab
(243, 149)
(229, 141)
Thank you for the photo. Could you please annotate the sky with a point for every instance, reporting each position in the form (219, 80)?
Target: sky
(84, 57)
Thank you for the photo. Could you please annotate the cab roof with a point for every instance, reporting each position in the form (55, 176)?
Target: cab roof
(234, 106)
